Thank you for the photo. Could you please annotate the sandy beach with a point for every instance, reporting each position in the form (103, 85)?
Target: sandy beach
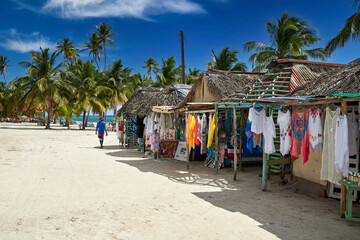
(58, 184)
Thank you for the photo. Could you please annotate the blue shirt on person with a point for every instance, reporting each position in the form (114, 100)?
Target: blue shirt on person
(101, 127)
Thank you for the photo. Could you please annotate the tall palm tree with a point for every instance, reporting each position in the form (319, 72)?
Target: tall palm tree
(3, 66)
(68, 49)
(93, 46)
(192, 76)
(41, 82)
(290, 37)
(152, 66)
(227, 61)
(168, 74)
(118, 81)
(104, 34)
(351, 30)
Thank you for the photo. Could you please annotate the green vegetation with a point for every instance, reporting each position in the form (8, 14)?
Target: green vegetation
(226, 60)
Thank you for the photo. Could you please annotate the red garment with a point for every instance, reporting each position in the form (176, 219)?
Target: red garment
(196, 130)
(299, 133)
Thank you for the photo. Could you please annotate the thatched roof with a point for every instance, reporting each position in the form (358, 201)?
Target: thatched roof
(140, 103)
(137, 104)
(345, 79)
(222, 83)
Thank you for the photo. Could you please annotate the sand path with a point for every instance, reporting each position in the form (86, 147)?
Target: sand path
(57, 184)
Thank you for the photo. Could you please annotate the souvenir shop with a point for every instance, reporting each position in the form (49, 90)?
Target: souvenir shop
(212, 135)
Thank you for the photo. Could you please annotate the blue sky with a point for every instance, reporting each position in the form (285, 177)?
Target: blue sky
(151, 27)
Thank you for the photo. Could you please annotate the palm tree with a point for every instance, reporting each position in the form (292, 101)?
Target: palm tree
(3, 66)
(192, 76)
(104, 34)
(289, 38)
(90, 89)
(351, 30)
(93, 45)
(227, 61)
(41, 82)
(141, 80)
(118, 81)
(152, 66)
(168, 74)
(68, 49)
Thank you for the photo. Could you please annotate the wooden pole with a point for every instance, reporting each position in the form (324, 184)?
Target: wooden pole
(187, 145)
(343, 188)
(216, 152)
(235, 142)
(241, 128)
(182, 57)
(265, 167)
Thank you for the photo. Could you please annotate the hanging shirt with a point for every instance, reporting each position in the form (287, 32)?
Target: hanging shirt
(257, 119)
(269, 135)
(203, 134)
(196, 130)
(328, 172)
(315, 130)
(190, 132)
(211, 131)
(353, 134)
(300, 135)
(249, 136)
(155, 141)
(284, 120)
(342, 146)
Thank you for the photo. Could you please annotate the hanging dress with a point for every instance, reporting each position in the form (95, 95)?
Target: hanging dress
(211, 131)
(203, 134)
(269, 135)
(315, 130)
(342, 146)
(353, 134)
(328, 172)
(300, 135)
(284, 120)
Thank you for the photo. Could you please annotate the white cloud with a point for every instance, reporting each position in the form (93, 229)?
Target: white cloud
(19, 42)
(119, 8)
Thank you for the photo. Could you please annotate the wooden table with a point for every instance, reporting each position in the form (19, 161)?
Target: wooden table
(350, 188)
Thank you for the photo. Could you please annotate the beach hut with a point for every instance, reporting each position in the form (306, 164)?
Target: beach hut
(136, 106)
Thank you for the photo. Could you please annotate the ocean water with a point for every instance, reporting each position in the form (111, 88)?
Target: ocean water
(95, 118)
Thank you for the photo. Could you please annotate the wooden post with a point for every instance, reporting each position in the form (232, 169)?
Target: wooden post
(235, 142)
(265, 167)
(343, 188)
(216, 150)
(187, 145)
(241, 128)
(153, 120)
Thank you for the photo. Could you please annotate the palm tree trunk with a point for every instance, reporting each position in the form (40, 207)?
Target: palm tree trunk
(104, 58)
(84, 115)
(55, 119)
(87, 118)
(49, 118)
(97, 64)
(115, 113)
(44, 122)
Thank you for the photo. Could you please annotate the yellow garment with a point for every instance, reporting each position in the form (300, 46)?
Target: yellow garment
(211, 132)
(190, 133)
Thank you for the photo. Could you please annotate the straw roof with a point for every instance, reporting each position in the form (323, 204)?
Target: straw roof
(345, 79)
(137, 104)
(222, 83)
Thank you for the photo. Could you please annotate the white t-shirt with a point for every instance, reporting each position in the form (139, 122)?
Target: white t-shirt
(284, 120)
(353, 134)
(269, 135)
(257, 119)
(342, 146)
(315, 130)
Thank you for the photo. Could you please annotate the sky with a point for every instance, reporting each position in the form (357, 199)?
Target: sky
(151, 28)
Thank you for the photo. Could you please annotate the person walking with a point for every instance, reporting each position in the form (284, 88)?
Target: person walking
(100, 130)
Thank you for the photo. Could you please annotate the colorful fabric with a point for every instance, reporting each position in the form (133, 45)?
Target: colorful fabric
(190, 132)
(203, 134)
(249, 136)
(300, 135)
(167, 149)
(211, 131)
(315, 130)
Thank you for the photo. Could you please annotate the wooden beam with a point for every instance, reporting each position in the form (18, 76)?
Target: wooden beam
(265, 167)
(343, 188)
(235, 142)
(216, 152)
(282, 161)
(242, 115)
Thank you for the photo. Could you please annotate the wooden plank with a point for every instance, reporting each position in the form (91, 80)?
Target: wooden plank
(282, 161)
(265, 167)
(343, 188)
(275, 74)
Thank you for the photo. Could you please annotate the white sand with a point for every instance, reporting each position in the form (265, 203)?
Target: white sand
(57, 184)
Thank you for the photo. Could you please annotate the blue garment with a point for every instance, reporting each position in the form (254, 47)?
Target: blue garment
(101, 127)
(249, 135)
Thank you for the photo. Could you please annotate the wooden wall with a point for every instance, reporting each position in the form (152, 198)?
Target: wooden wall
(202, 94)
(310, 170)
